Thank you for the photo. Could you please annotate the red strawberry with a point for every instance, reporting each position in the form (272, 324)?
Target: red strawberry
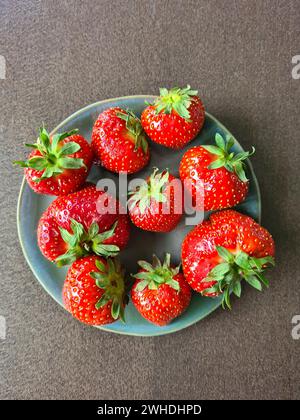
(119, 141)
(58, 165)
(215, 175)
(94, 290)
(175, 118)
(160, 292)
(157, 204)
(81, 223)
(221, 251)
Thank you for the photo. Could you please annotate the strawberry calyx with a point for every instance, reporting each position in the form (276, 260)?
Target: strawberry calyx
(175, 99)
(233, 269)
(54, 157)
(156, 274)
(231, 161)
(135, 129)
(153, 188)
(110, 277)
(81, 243)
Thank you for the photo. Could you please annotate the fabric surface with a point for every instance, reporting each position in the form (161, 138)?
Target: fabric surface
(238, 54)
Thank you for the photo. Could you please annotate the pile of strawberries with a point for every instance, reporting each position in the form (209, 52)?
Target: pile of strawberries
(86, 228)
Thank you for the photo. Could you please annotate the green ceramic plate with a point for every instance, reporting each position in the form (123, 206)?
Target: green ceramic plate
(142, 244)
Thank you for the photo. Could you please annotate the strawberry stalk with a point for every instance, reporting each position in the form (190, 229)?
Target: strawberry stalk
(234, 268)
(81, 243)
(110, 277)
(54, 157)
(152, 189)
(175, 99)
(135, 129)
(231, 161)
(157, 273)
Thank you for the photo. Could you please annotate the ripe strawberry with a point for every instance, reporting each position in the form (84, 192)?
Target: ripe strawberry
(160, 292)
(220, 252)
(214, 176)
(94, 290)
(175, 118)
(85, 222)
(157, 204)
(119, 141)
(58, 165)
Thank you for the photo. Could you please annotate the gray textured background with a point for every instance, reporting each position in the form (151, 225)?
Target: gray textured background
(62, 55)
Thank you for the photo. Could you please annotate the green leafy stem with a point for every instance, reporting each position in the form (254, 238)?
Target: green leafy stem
(157, 273)
(153, 188)
(110, 278)
(54, 158)
(228, 159)
(176, 99)
(229, 273)
(81, 242)
(135, 129)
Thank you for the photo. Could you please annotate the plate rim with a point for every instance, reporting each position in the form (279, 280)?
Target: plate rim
(22, 189)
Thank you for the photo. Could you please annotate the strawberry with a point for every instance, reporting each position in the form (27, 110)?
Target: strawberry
(81, 223)
(157, 204)
(215, 176)
(119, 141)
(220, 252)
(58, 164)
(94, 290)
(160, 292)
(175, 118)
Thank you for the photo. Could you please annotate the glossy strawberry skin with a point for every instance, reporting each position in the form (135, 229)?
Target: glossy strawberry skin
(171, 130)
(70, 180)
(114, 147)
(229, 229)
(82, 206)
(164, 304)
(221, 188)
(155, 219)
(80, 293)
